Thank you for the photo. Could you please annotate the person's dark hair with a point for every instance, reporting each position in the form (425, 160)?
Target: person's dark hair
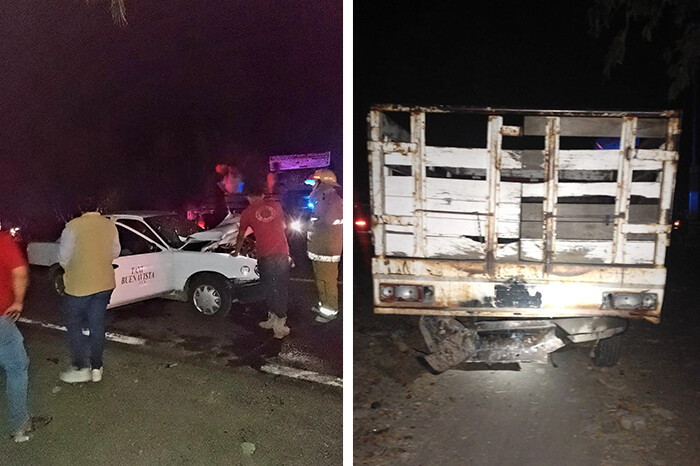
(88, 204)
(253, 189)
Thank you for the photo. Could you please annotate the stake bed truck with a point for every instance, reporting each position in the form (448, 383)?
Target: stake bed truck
(513, 232)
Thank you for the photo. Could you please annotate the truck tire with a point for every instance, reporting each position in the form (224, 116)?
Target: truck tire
(606, 352)
(210, 295)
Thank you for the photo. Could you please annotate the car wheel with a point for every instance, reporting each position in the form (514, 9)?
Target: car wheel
(606, 352)
(56, 276)
(210, 296)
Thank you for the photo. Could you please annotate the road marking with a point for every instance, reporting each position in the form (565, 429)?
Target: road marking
(110, 336)
(275, 369)
(302, 375)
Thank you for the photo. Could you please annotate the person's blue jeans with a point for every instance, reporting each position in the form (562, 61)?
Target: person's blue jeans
(14, 360)
(86, 312)
(274, 276)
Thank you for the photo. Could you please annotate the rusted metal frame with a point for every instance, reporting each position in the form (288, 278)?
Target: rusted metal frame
(517, 312)
(377, 190)
(551, 180)
(494, 140)
(404, 148)
(516, 111)
(420, 238)
(624, 188)
(668, 181)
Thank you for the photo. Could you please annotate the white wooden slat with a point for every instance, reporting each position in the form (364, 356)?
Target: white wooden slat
(463, 248)
(468, 226)
(402, 229)
(652, 229)
(508, 252)
(589, 159)
(453, 205)
(522, 159)
(468, 190)
(401, 186)
(397, 158)
(531, 249)
(635, 253)
(457, 157)
(644, 159)
(645, 189)
(399, 205)
(459, 210)
(658, 155)
(397, 244)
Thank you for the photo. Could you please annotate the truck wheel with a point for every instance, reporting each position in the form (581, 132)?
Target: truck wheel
(56, 276)
(210, 296)
(606, 352)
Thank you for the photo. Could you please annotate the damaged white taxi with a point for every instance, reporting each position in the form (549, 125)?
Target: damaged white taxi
(164, 255)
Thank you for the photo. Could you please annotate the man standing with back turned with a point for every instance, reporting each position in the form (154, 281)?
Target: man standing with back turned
(89, 244)
(265, 217)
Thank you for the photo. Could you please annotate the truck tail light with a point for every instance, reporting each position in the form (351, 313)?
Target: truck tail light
(406, 293)
(630, 301)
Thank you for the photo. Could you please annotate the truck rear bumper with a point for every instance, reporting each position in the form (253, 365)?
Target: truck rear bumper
(463, 288)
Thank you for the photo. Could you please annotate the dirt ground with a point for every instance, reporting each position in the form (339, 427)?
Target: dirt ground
(644, 411)
(163, 408)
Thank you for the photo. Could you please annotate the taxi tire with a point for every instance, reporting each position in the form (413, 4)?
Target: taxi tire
(216, 286)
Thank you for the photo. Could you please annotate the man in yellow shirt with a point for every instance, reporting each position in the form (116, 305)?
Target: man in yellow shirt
(88, 246)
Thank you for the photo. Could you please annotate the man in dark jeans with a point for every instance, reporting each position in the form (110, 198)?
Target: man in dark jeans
(88, 245)
(265, 217)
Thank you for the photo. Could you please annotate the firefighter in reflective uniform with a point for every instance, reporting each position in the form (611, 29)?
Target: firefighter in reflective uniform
(325, 242)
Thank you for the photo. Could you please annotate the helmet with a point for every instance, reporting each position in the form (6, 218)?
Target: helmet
(326, 176)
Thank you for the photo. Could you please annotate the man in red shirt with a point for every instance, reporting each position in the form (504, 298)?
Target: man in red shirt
(265, 217)
(13, 356)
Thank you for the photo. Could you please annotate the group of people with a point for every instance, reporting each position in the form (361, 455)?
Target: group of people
(88, 246)
(265, 217)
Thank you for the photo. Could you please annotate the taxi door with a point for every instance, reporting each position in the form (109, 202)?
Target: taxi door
(141, 270)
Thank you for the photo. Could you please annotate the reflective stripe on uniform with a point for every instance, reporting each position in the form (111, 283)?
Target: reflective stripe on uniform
(338, 221)
(322, 258)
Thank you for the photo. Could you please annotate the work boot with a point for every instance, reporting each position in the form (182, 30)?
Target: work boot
(280, 327)
(270, 322)
(75, 375)
(326, 315)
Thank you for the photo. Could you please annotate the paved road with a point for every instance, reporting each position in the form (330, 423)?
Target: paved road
(233, 340)
(157, 407)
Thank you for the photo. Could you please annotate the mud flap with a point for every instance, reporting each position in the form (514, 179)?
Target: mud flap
(449, 341)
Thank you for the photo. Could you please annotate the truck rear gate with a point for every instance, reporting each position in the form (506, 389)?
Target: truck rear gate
(521, 213)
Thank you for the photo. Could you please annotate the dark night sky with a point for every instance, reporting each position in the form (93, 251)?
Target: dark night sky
(518, 54)
(142, 113)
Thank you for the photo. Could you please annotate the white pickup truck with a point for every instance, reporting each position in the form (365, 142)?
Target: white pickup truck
(164, 255)
(511, 231)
